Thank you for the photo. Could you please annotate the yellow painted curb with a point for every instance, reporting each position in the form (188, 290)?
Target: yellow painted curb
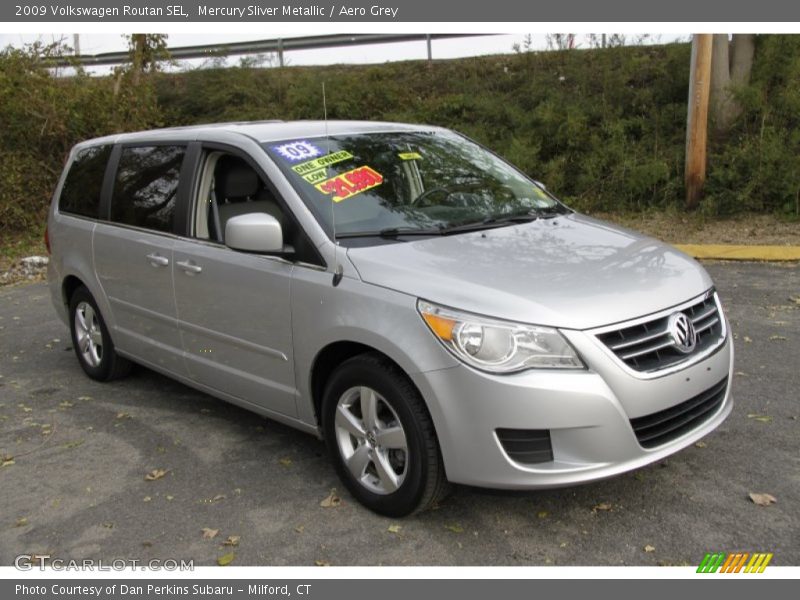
(725, 252)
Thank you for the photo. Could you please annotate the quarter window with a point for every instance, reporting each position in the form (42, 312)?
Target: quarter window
(84, 183)
(146, 186)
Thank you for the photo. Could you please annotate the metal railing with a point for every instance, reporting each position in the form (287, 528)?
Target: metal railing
(277, 45)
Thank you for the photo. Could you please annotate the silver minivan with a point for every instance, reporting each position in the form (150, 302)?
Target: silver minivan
(399, 290)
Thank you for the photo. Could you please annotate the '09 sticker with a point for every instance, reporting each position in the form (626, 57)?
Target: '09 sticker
(297, 151)
(346, 185)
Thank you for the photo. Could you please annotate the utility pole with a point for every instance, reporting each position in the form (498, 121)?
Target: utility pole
(697, 118)
(76, 44)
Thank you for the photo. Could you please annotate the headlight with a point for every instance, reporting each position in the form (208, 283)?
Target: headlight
(498, 346)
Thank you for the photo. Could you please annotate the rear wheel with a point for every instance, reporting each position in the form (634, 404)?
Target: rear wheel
(91, 340)
(381, 437)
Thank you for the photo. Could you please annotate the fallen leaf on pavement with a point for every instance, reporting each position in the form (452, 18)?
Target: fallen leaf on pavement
(146, 499)
(66, 404)
(759, 418)
(208, 533)
(775, 338)
(542, 514)
(226, 559)
(332, 500)
(701, 444)
(455, 528)
(300, 528)
(233, 540)
(394, 529)
(123, 415)
(6, 461)
(762, 499)
(286, 462)
(322, 563)
(747, 339)
(156, 474)
(605, 506)
(21, 522)
(649, 548)
(218, 498)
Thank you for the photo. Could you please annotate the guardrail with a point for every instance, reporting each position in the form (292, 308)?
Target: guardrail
(277, 45)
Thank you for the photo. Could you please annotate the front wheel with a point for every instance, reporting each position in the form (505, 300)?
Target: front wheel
(91, 340)
(381, 437)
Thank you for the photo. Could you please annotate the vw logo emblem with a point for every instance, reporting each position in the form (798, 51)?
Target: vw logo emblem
(681, 330)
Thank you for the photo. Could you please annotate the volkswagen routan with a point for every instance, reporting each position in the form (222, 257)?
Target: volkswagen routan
(433, 313)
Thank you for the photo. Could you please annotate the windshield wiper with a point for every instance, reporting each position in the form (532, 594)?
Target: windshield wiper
(390, 232)
(490, 223)
(549, 212)
(487, 223)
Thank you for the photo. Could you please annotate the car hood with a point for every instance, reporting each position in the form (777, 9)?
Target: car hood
(571, 271)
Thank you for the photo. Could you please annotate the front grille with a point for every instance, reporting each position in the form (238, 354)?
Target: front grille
(527, 446)
(648, 346)
(666, 425)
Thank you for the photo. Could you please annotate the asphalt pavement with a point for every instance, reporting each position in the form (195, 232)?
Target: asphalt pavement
(73, 484)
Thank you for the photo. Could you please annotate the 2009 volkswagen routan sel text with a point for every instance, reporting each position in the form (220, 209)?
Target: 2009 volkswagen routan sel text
(400, 290)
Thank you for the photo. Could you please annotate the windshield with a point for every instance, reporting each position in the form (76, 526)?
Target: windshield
(407, 183)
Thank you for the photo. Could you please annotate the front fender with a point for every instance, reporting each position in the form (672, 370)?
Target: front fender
(383, 319)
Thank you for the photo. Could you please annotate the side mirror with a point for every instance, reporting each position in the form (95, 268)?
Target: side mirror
(540, 184)
(254, 232)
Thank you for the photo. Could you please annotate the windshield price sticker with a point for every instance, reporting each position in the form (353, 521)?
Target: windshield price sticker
(297, 151)
(315, 171)
(346, 185)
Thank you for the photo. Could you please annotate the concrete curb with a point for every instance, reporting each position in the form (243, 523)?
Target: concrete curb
(732, 252)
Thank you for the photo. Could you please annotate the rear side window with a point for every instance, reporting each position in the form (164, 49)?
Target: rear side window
(146, 186)
(81, 192)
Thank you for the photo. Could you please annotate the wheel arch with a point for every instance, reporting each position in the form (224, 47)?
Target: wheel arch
(68, 287)
(329, 358)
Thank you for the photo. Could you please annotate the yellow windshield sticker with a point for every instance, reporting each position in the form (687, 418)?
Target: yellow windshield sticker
(346, 185)
(316, 176)
(410, 156)
(321, 162)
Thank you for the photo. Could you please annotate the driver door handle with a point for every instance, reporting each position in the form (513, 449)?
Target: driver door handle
(189, 267)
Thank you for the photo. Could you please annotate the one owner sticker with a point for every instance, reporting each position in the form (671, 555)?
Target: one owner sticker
(315, 170)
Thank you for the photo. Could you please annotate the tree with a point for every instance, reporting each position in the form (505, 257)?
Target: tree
(147, 50)
(731, 63)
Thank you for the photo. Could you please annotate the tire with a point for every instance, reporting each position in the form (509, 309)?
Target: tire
(387, 456)
(94, 349)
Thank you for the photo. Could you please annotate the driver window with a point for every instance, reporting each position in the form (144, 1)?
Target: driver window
(230, 187)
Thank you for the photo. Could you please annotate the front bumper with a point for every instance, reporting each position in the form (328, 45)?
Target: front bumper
(588, 414)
